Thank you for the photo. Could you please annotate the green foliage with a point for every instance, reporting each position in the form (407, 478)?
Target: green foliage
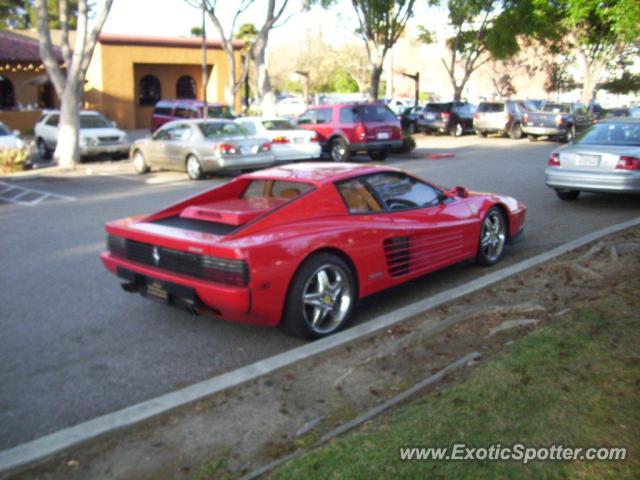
(196, 31)
(626, 83)
(22, 13)
(13, 160)
(343, 82)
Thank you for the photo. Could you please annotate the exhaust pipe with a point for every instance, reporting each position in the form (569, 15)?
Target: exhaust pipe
(130, 287)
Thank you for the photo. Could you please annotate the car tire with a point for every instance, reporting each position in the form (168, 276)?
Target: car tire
(568, 195)
(493, 237)
(411, 128)
(532, 138)
(379, 155)
(516, 132)
(320, 299)
(570, 135)
(339, 150)
(43, 151)
(194, 168)
(140, 165)
(481, 133)
(456, 130)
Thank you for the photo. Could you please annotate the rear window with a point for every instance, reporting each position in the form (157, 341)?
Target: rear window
(557, 108)
(437, 107)
(373, 113)
(623, 134)
(221, 129)
(490, 107)
(220, 111)
(278, 125)
(162, 111)
(357, 198)
(275, 189)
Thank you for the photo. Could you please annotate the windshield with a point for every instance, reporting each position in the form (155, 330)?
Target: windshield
(621, 134)
(437, 107)
(221, 129)
(4, 130)
(279, 125)
(94, 121)
(220, 112)
(491, 107)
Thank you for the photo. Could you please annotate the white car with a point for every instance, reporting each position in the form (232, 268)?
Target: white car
(288, 142)
(97, 135)
(10, 139)
(291, 107)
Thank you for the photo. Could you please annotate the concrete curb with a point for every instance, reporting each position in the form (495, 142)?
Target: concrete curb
(41, 448)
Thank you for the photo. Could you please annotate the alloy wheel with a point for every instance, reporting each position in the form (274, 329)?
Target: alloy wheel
(493, 236)
(326, 298)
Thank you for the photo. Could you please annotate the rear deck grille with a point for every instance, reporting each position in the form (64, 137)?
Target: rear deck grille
(166, 258)
(396, 251)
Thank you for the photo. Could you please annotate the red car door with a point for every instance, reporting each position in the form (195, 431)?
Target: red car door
(433, 231)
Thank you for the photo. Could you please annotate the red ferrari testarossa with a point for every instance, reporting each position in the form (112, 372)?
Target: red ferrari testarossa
(298, 245)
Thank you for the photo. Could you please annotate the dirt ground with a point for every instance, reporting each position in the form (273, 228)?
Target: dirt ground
(239, 430)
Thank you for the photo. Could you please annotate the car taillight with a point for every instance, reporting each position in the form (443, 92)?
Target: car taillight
(445, 115)
(628, 163)
(476, 117)
(265, 147)
(554, 160)
(361, 131)
(525, 118)
(315, 138)
(227, 149)
(229, 272)
(559, 120)
(280, 140)
(507, 117)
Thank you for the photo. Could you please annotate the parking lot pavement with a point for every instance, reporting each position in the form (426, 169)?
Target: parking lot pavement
(17, 194)
(74, 345)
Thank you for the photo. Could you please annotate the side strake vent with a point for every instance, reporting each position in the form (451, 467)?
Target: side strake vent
(396, 251)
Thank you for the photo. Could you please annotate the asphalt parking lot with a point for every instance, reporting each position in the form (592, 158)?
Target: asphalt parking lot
(75, 346)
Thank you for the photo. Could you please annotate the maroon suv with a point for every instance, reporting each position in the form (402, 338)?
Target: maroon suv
(347, 128)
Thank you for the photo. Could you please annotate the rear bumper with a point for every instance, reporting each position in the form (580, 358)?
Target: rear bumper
(231, 303)
(435, 126)
(622, 181)
(215, 164)
(119, 148)
(543, 131)
(490, 126)
(376, 145)
(296, 152)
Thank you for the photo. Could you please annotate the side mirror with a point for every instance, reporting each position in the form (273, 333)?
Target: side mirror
(17, 133)
(461, 192)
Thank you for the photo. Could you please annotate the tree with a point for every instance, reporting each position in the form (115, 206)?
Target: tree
(626, 83)
(381, 23)
(21, 14)
(68, 80)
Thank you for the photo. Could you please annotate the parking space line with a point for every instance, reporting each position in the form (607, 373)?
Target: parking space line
(8, 194)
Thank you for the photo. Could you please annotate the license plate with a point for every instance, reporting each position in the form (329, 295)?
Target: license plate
(588, 160)
(430, 116)
(298, 140)
(156, 291)
(383, 136)
(248, 150)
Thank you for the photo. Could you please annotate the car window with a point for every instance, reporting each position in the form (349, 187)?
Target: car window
(346, 115)
(557, 108)
(357, 198)
(402, 192)
(182, 112)
(162, 111)
(94, 121)
(162, 134)
(4, 130)
(180, 132)
(280, 124)
(323, 115)
(373, 113)
(307, 117)
(581, 109)
(624, 134)
(437, 107)
(249, 127)
(220, 111)
(221, 129)
(275, 189)
(490, 107)
(52, 121)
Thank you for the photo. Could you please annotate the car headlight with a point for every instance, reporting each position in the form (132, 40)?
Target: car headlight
(125, 139)
(88, 141)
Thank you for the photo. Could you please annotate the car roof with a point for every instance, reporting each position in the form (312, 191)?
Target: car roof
(82, 112)
(620, 120)
(318, 173)
(346, 104)
(263, 119)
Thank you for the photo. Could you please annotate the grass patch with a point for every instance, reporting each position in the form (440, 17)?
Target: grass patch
(575, 382)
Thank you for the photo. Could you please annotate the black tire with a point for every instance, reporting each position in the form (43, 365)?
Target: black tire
(379, 155)
(516, 132)
(570, 135)
(140, 165)
(481, 133)
(43, 151)
(491, 243)
(456, 130)
(296, 319)
(194, 168)
(339, 150)
(532, 138)
(411, 128)
(568, 195)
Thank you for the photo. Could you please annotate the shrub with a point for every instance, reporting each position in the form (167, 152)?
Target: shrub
(13, 159)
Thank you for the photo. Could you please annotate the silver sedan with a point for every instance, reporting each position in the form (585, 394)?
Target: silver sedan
(200, 147)
(605, 158)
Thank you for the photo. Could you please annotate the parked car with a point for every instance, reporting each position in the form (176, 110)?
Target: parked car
(409, 119)
(398, 105)
(201, 146)
(617, 112)
(98, 136)
(635, 111)
(288, 142)
(559, 120)
(10, 139)
(533, 105)
(347, 128)
(454, 118)
(168, 110)
(504, 118)
(300, 244)
(605, 158)
(290, 107)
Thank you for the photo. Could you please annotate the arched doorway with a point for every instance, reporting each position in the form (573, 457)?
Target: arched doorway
(7, 94)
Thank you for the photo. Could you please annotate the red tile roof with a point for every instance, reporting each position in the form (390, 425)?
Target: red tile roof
(18, 48)
(179, 42)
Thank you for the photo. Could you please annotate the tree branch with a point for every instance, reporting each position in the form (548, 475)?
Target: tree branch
(46, 47)
(63, 8)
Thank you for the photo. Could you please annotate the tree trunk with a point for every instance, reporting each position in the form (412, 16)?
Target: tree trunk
(67, 153)
(457, 92)
(591, 73)
(376, 73)
(265, 90)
